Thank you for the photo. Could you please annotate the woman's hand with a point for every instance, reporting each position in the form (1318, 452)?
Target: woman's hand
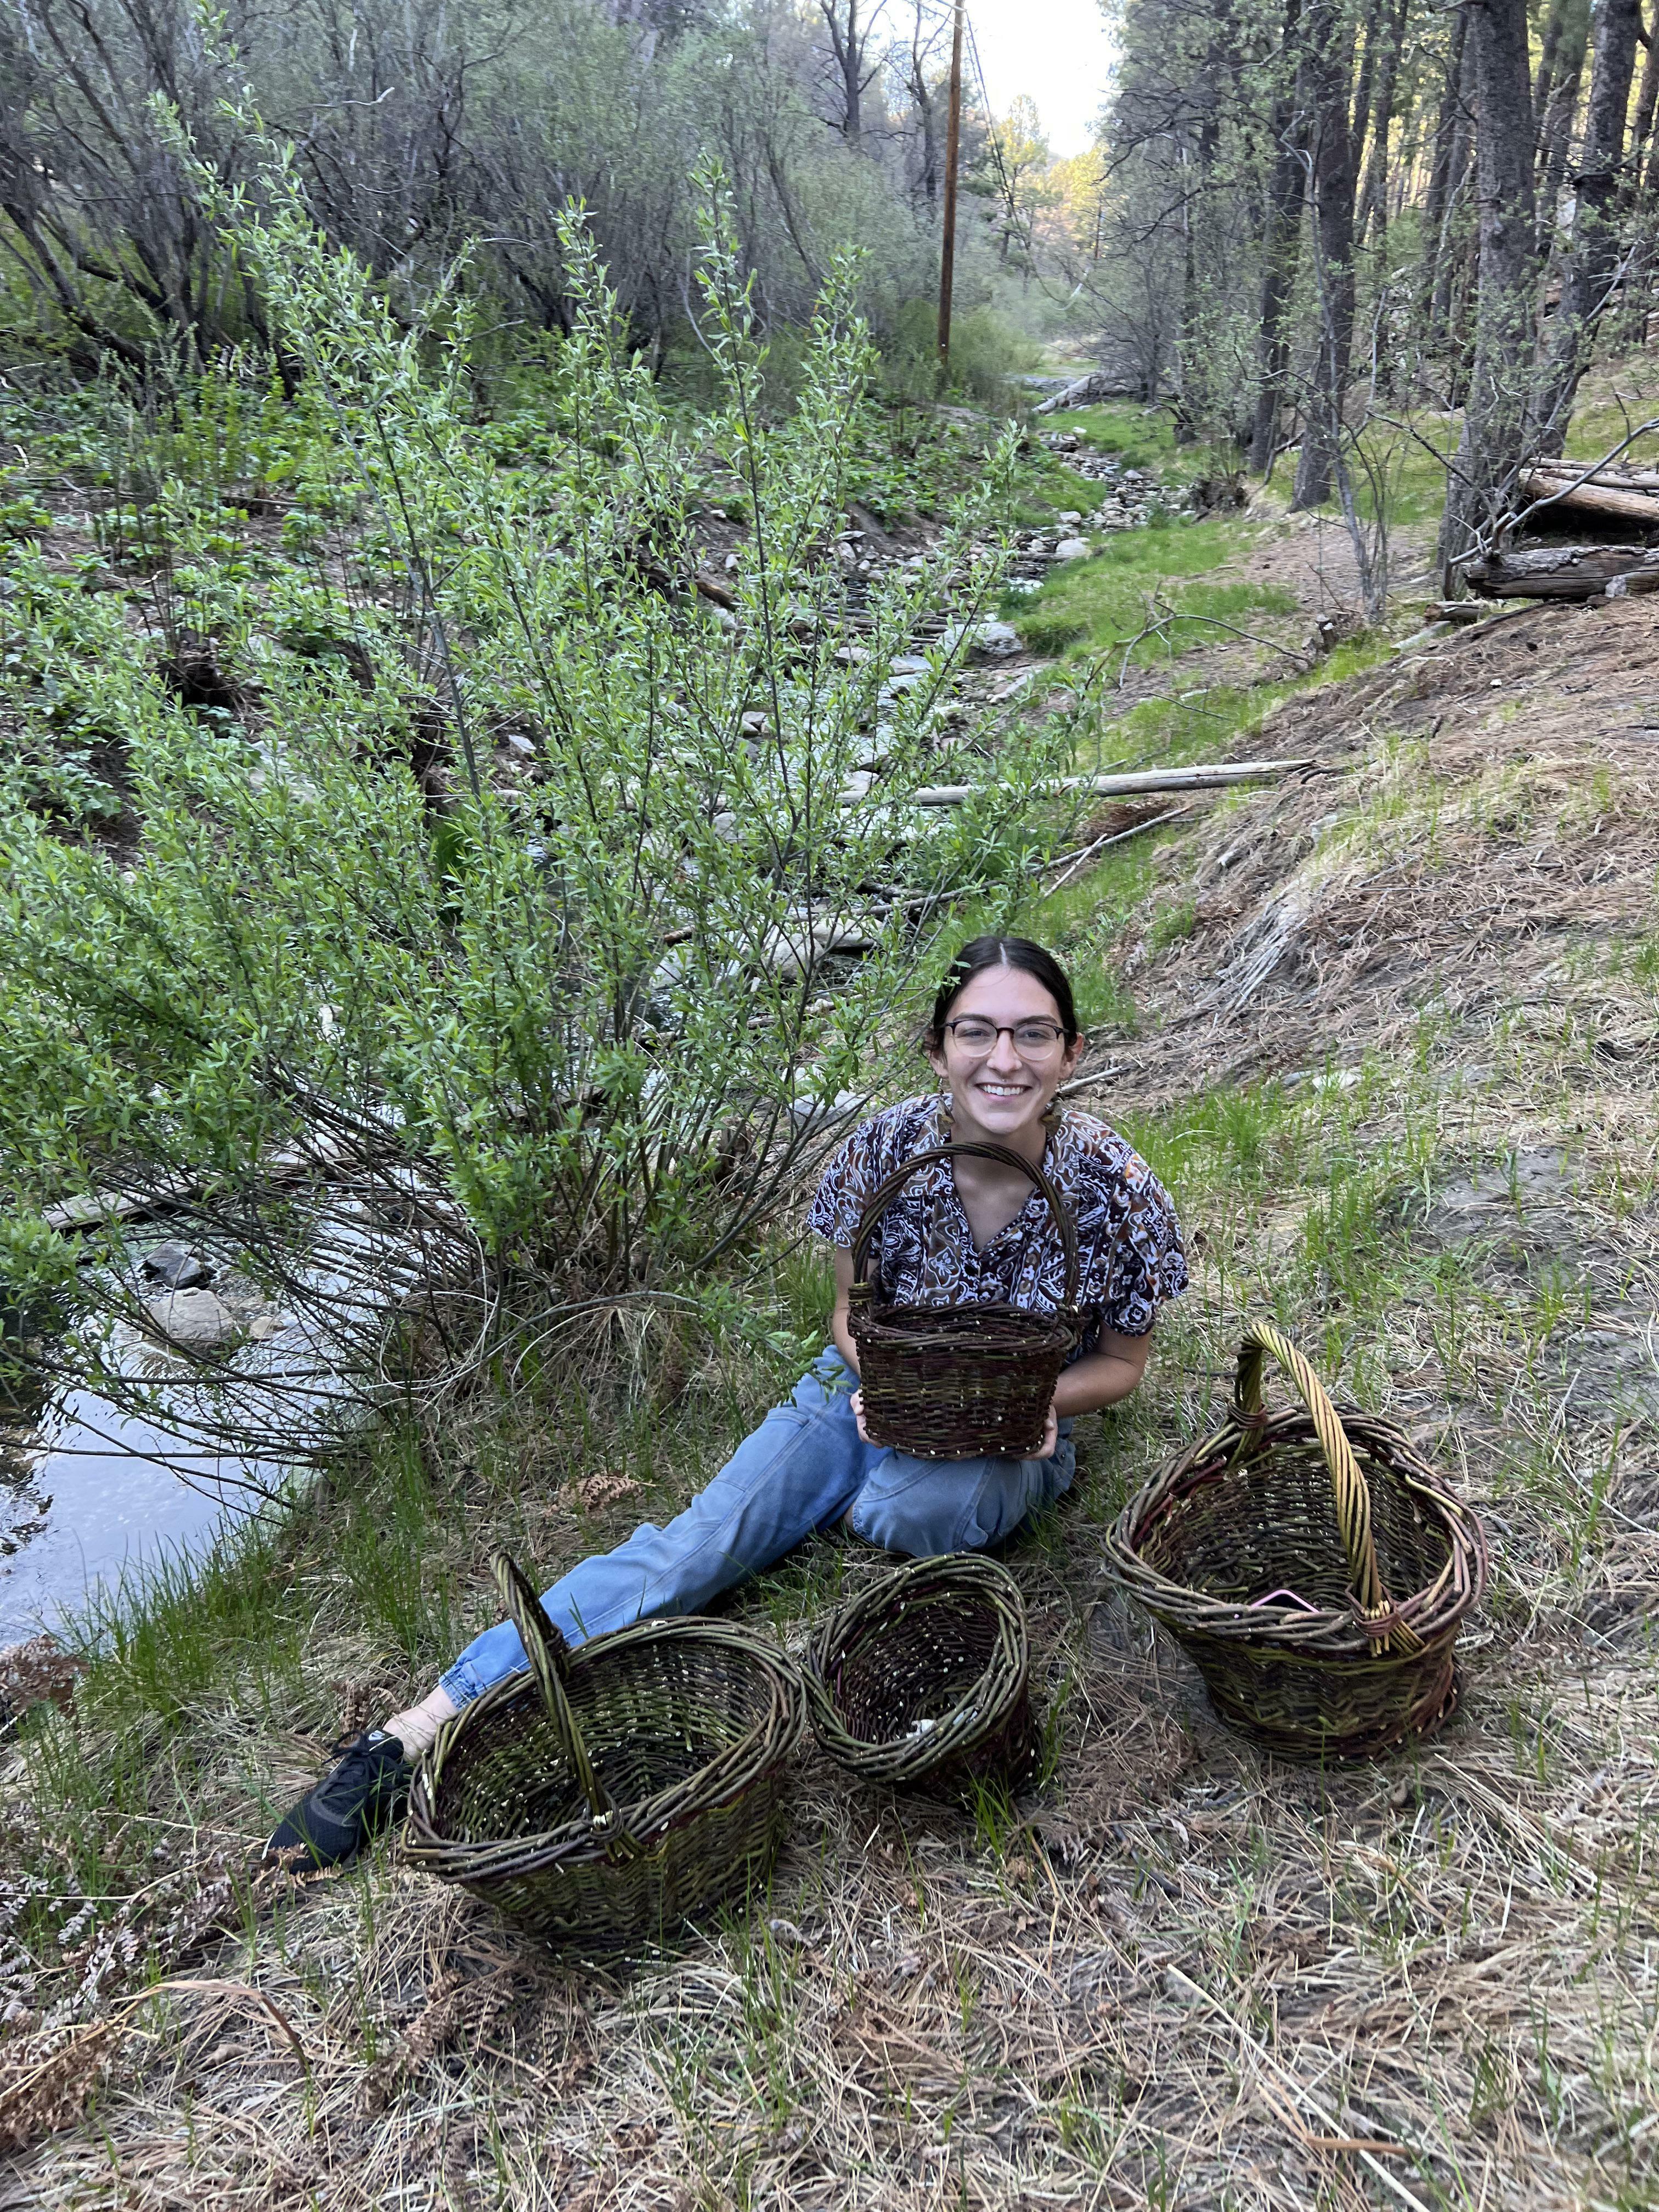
(858, 1415)
(1050, 1443)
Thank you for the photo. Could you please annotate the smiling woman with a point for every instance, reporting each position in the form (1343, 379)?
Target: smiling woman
(1003, 1038)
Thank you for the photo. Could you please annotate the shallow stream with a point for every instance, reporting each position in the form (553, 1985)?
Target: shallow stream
(93, 1497)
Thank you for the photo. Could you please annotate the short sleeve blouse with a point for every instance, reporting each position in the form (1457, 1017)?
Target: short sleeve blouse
(1129, 1246)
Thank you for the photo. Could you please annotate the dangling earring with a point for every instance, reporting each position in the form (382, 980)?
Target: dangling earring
(1052, 1115)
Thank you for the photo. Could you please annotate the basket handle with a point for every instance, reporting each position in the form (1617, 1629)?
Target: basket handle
(1353, 1496)
(546, 1649)
(876, 1205)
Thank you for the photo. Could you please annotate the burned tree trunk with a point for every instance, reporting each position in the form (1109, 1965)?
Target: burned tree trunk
(1555, 103)
(1452, 156)
(1498, 417)
(1593, 254)
(1330, 69)
(1373, 212)
(1280, 235)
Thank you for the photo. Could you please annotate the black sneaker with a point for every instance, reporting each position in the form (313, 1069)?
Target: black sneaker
(366, 1792)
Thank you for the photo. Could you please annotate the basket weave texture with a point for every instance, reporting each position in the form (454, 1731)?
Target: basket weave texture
(959, 1382)
(616, 1792)
(1269, 1551)
(923, 1680)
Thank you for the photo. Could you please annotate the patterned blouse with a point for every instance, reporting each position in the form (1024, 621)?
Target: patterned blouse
(1129, 1253)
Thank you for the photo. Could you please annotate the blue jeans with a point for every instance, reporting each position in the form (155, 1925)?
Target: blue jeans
(804, 1467)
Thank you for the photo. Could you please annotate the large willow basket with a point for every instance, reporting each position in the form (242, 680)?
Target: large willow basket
(616, 1793)
(1270, 1549)
(923, 1680)
(959, 1382)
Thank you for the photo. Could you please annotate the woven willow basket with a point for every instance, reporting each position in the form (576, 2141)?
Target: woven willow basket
(617, 1792)
(1269, 1551)
(959, 1382)
(923, 1680)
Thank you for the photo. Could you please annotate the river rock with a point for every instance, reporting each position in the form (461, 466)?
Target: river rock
(1072, 549)
(997, 640)
(194, 1320)
(177, 1266)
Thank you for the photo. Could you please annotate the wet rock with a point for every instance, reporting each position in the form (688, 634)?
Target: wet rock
(177, 1266)
(193, 1319)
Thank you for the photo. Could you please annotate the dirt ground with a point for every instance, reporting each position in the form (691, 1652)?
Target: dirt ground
(1478, 809)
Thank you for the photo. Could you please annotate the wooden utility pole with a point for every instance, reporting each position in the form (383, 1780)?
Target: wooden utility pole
(947, 252)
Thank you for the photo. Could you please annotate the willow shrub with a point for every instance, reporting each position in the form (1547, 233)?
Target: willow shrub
(565, 980)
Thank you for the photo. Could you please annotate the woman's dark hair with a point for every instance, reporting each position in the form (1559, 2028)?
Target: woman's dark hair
(983, 952)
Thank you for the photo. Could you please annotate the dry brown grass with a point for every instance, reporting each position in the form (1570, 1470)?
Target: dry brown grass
(1177, 1974)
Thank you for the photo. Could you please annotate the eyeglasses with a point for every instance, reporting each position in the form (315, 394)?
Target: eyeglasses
(1033, 1040)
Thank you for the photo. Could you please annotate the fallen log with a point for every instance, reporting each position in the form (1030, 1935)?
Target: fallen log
(1211, 777)
(1614, 473)
(1556, 572)
(1622, 504)
(1099, 384)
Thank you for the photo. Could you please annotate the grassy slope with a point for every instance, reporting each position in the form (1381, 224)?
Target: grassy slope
(1181, 1974)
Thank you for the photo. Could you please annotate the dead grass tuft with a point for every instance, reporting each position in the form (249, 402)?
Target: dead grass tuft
(46, 2081)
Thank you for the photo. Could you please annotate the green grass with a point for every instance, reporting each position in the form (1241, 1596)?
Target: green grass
(1141, 437)
(1098, 606)
(1044, 487)
(1203, 726)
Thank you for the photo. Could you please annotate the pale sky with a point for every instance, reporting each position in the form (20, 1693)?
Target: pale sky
(1055, 49)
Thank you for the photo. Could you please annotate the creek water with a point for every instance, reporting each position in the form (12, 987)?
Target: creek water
(93, 1495)
(93, 1498)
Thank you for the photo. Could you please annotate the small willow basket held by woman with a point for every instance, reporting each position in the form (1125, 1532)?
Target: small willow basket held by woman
(1270, 1550)
(959, 1382)
(616, 1792)
(923, 1680)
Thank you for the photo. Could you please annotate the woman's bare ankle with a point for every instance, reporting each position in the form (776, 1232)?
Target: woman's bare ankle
(417, 1729)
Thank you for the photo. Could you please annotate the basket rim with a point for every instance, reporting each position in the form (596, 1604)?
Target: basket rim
(925, 1581)
(654, 1819)
(1051, 1329)
(1320, 1634)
